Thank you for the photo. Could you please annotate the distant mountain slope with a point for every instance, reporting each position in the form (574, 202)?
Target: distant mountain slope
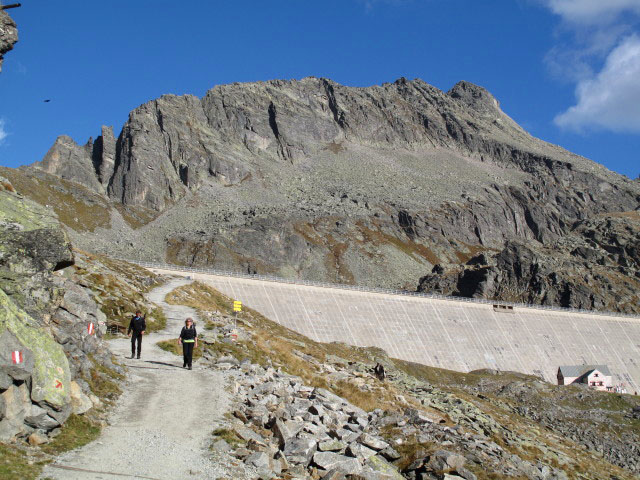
(312, 179)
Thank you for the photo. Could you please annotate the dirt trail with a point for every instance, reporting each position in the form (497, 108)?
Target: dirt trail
(163, 421)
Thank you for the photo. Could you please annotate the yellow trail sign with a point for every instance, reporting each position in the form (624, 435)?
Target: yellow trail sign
(237, 306)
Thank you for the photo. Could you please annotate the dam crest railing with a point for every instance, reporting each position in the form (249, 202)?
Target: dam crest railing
(361, 288)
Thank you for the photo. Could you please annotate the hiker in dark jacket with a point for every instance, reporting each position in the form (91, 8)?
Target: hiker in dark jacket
(137, 327)
(188, 339)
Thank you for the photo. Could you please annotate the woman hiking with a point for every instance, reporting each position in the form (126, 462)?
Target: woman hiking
(188, 339)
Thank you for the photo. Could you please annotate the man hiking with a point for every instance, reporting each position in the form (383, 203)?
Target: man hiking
(137, 326)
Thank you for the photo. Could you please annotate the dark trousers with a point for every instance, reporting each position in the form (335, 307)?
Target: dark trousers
(187, 351)
(136, 336)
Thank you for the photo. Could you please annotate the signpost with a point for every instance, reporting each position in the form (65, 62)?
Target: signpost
(237, 307)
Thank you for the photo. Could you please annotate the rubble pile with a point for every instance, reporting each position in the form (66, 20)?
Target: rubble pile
(283, 426)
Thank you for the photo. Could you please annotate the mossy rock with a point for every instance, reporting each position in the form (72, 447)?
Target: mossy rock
(31, 238)
(380, 465)
(25, 215)
(50, 377)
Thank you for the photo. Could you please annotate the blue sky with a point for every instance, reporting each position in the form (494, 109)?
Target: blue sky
(564, 69)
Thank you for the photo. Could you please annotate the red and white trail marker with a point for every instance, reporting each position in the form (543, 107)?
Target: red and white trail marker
(90, 328)
(16, 357)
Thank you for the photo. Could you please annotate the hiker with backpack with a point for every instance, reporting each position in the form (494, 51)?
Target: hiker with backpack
(137, 327)
(188, 339)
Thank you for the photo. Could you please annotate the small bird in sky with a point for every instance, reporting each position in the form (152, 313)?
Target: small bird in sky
(47, 100)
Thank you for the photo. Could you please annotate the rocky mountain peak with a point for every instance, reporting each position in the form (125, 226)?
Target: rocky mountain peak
(70, 161)
(176, 144)
(474, 96)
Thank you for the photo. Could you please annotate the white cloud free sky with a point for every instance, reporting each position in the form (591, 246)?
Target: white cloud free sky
(592, 12)
(604, 61)
(611, 98)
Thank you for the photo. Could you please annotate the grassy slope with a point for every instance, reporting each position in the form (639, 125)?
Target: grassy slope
(77, 207)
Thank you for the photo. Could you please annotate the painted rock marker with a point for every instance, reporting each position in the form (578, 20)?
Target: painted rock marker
(16, 357)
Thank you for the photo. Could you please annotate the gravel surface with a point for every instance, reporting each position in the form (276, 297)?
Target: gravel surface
(162, 424)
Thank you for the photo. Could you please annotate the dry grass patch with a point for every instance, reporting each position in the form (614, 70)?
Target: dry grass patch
(77, 431)
(14, 464)
(228, 436)
(201, 297)
(633, 214)
(75, 205)
(104, 382)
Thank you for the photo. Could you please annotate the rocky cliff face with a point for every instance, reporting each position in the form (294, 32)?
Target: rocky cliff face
(315, 180)
(595, 266)
(8, 34)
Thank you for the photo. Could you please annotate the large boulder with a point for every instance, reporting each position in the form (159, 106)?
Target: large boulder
(32, 245)
(50, 377)
(44, 317)
(31, 239)
(19, 369)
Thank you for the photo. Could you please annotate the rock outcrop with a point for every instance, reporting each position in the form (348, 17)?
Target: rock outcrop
(70, 161)
(596, 266)
(44, 319)
(8, 35)
(315, 180)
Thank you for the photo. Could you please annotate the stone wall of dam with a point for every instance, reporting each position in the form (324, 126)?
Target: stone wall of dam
(447, 333)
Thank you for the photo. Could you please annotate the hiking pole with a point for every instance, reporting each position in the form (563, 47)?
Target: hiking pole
(7, 7)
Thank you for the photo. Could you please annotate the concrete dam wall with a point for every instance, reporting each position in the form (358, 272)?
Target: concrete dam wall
(447, 333)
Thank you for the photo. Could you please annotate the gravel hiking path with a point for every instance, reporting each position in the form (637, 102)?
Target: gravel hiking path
(162, 423)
